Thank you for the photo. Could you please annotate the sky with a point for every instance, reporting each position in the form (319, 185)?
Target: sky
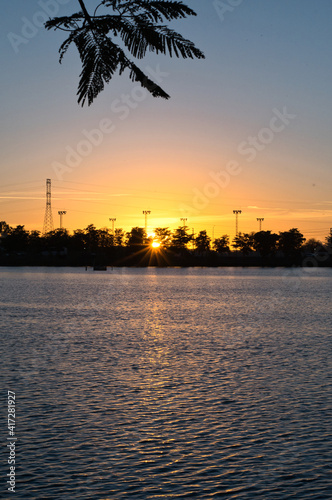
(248, 128)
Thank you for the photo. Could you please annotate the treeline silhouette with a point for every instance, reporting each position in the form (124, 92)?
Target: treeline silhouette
(100, 247)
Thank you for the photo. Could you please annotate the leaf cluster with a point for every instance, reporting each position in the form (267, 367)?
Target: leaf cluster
(141, 28)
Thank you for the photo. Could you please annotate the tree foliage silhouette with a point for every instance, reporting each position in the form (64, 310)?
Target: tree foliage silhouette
(221, 245)
(244, 242)
(181, 237)
(290, 242)
(139, 27)
(202, 242)
(163, 236)
(136, 236)
(265, 242)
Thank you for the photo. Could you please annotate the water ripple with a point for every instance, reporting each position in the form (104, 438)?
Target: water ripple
(169, 384)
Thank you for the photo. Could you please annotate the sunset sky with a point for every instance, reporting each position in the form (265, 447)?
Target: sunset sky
(247, 128)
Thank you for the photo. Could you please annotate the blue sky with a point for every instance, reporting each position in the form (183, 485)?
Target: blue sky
(261, 56)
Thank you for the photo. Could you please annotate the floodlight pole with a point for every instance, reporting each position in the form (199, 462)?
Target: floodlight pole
(260, 220)
(146, 213)
(237, 212)
(61, 213)
(112, 219)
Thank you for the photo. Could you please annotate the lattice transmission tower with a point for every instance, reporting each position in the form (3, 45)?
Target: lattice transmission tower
(48, 219)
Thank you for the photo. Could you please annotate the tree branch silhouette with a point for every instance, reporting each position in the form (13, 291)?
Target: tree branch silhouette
(139, 24)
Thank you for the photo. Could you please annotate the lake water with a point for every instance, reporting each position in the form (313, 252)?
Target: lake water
(168, 383)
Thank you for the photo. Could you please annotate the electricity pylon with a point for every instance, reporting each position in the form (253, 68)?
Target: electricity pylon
(48, 219)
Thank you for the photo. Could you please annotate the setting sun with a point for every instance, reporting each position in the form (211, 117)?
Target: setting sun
(155, 244)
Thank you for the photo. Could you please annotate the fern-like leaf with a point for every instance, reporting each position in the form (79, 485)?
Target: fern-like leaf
(138, 24)
(100, 61)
